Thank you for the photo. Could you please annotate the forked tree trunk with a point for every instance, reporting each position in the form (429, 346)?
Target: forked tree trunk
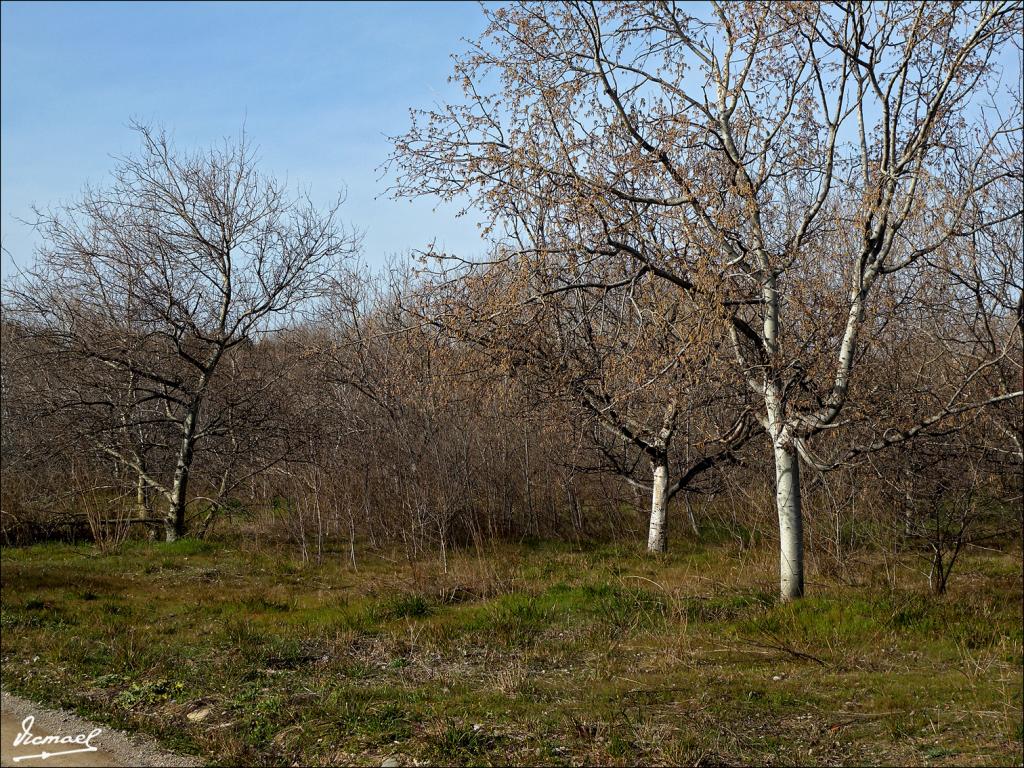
(657, 539)
(791, 538)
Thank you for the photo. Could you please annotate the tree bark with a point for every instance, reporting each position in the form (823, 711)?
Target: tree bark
(791, 539)
(142, 506)
(657, 539)
(174, 523)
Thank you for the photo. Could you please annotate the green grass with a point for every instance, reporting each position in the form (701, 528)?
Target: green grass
(542, 653)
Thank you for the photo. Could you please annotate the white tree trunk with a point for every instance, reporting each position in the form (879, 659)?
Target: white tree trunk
(657, 539)
(791, 539)
(174, 523)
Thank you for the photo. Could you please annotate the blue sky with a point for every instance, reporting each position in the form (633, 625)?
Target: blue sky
(318, 86)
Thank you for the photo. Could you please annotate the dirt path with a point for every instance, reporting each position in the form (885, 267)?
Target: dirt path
(112, 747)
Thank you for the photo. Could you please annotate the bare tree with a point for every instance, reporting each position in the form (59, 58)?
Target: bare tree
(143, 291)
(607, 341)
(778, 162)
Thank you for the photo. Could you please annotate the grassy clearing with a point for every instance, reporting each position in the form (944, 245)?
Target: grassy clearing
(532, 654)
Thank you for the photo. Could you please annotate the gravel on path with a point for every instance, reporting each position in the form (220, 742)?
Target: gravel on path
(113, 747)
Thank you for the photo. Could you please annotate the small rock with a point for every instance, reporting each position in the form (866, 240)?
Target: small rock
(391, 761)
(199, 715)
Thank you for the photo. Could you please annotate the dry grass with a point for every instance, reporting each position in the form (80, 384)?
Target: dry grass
(545, 654)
